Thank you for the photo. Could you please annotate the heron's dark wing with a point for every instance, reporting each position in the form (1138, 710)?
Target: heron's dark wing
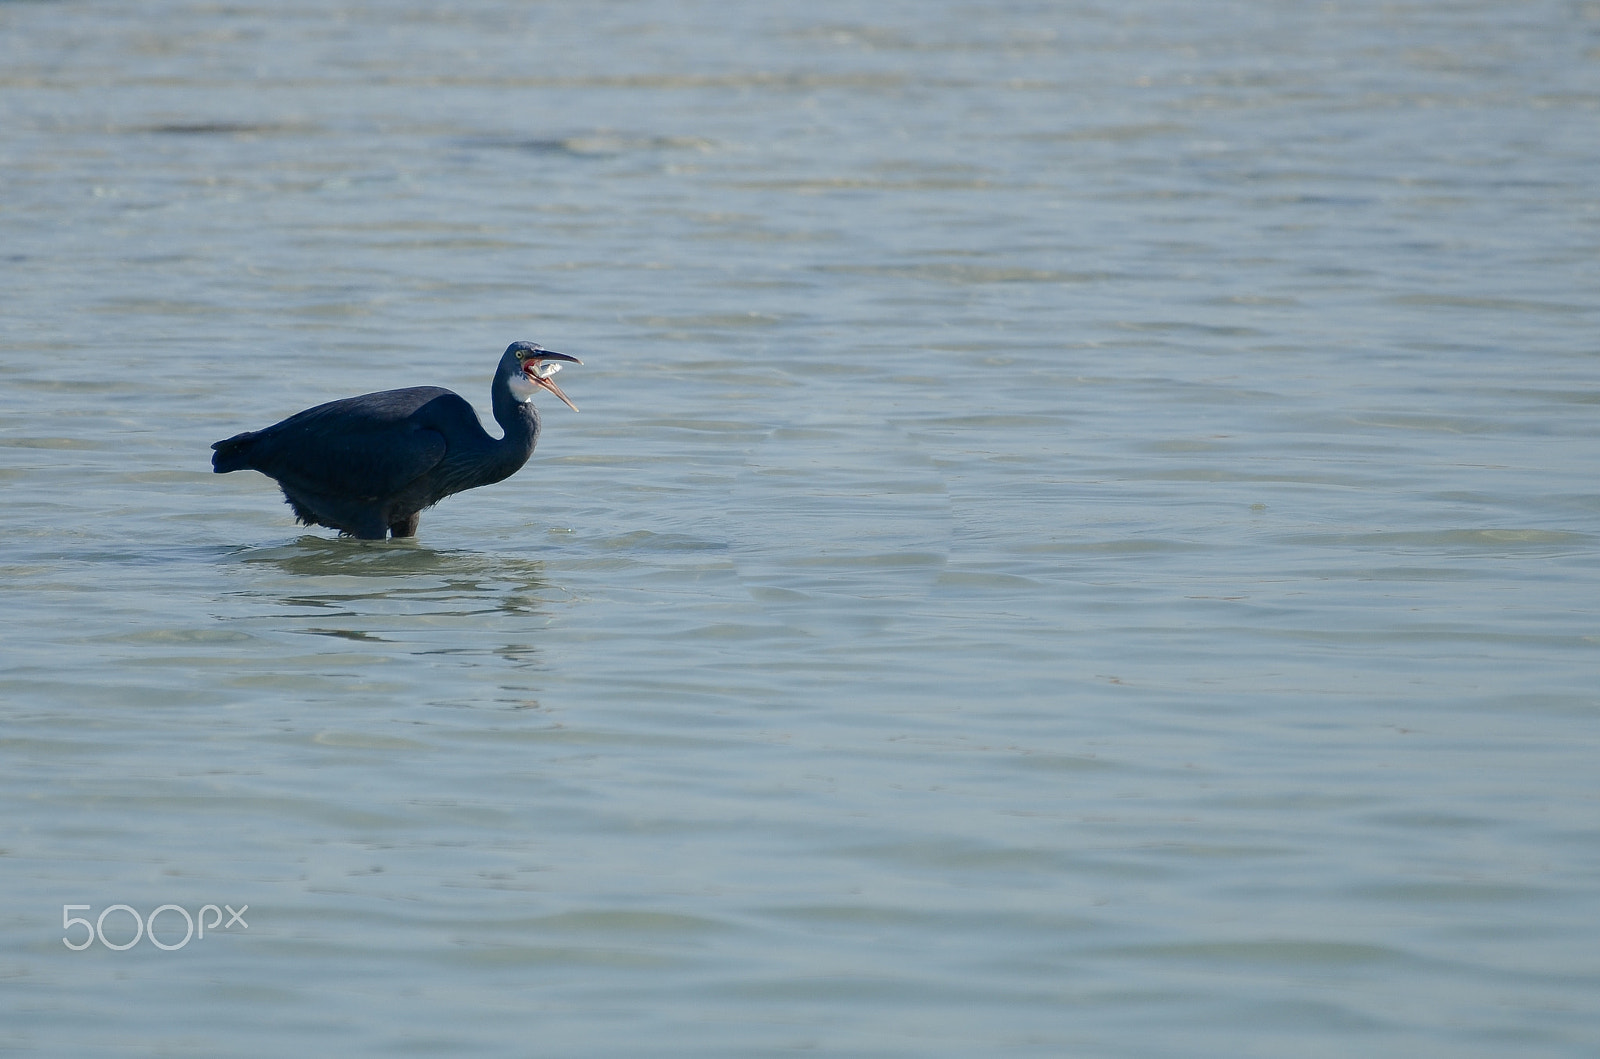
(366, 447)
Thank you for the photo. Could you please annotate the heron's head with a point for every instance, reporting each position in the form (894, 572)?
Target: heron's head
(534, 368)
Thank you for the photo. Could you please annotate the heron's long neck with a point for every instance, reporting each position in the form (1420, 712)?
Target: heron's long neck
(519, 420)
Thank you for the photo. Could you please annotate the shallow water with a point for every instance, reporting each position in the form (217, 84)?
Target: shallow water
(1081, 536)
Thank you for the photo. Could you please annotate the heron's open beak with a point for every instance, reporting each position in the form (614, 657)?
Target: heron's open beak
(541, 369)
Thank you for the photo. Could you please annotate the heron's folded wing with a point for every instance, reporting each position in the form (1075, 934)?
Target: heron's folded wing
(357, 448)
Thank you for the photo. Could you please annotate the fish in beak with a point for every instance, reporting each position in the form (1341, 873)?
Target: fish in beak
(540, 369)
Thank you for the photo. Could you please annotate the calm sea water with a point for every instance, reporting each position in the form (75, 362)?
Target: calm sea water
(1081, 538)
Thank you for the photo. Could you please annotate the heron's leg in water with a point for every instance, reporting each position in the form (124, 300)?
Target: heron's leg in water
(406, 527)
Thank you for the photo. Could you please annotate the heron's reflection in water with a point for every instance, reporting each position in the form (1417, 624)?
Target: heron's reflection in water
(403, 595)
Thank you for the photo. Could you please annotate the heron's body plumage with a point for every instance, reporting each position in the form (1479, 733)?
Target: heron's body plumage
(369, 465)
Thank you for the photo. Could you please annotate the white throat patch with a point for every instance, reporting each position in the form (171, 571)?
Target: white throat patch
(522, 387)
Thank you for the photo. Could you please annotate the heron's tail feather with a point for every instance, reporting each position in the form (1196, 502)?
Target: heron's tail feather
(232, 454)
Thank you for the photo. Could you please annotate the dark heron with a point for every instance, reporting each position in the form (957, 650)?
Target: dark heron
(368, 466)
